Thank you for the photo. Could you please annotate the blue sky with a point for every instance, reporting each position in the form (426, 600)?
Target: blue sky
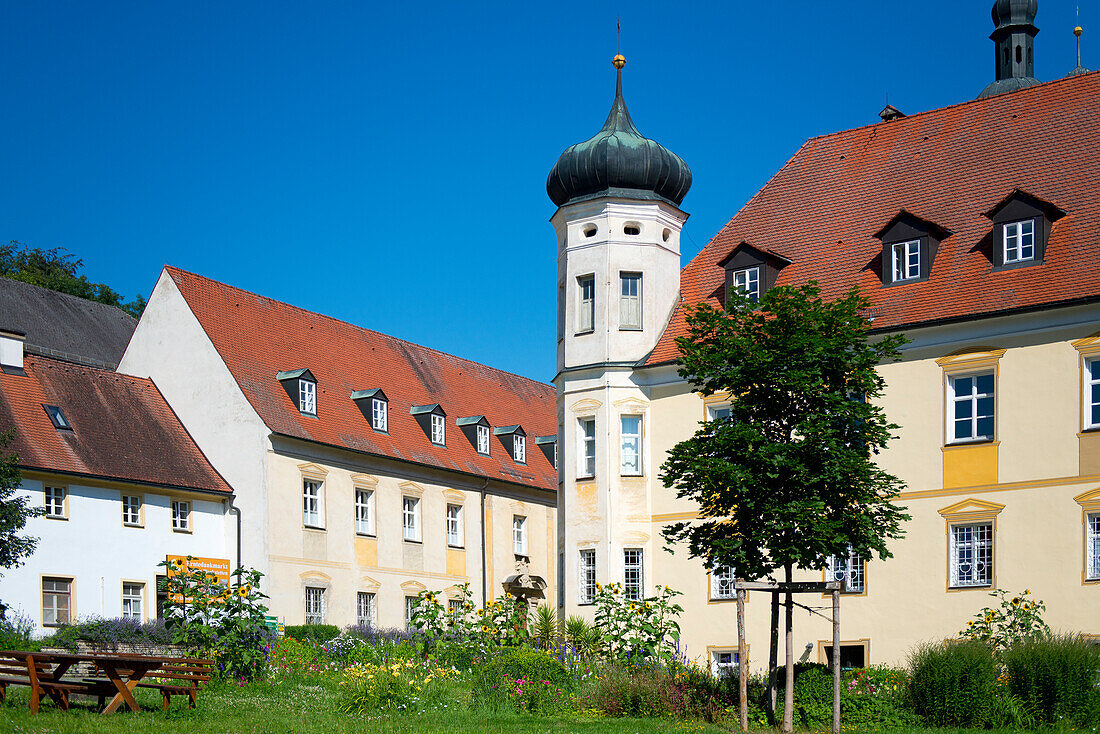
(386, 163)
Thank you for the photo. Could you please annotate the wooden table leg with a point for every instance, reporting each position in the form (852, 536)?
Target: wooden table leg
(125, 689)
(36, 691)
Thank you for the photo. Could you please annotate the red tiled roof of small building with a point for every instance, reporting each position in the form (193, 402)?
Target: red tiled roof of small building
(258, 337)
(122, 427)
(948, 166)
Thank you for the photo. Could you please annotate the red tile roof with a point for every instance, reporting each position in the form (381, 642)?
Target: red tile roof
(123, 428)
(258, 337)
(947, 166)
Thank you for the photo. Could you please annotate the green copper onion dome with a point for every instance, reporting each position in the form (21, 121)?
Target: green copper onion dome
(618, 161)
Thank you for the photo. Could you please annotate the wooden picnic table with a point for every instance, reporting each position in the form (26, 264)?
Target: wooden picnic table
(44, 671)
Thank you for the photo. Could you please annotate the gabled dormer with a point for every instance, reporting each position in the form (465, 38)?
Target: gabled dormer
(514, 440)
(751, 270)
(375, 407)
(909, 246)
(1021, 227)
(301, 388)
(476, 430)
(433, 421)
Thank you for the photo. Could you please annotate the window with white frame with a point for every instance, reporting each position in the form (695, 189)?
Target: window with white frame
(906, 260)
(483, 440)
(380, 414)
(1092, 546)
(364, 513)
(723, 662)
(410, 518)
(454, 525)
(454, 607)
(970, 414)
(311, 503)
(630, 301)
(519, 448)
(315, 605)
(57, 602)
(307, 397)
(364, 609)
(719, 412)
(630, 447)
(1019, 241)
(439, 429)
(131, 600)
(587, 453)
(1092, 392)
(586, 589)
(181, 515)
(586, 301)
(972, 554)
(747, 282)
(411, 602)
(131, 509)
(55, 501)
(722, 580)
(633, 574)
(848, 570)
(519, 535)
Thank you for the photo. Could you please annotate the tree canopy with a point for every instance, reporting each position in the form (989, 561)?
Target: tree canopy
(59, 270)
(789, 478)
(14, 511)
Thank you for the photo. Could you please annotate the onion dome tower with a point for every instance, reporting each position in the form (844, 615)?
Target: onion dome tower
(1014, 36)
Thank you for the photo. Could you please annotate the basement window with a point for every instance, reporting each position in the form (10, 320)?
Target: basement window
(57, 417)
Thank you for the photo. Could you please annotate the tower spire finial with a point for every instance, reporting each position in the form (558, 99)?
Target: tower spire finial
(1077, 31)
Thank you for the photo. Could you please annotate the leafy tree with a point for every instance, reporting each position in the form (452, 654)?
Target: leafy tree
(788, 479)
(14, 512)
(59, 270)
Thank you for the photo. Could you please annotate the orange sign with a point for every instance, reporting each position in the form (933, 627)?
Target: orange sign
(219, 567)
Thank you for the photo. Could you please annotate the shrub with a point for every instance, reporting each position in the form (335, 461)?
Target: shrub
(872, 697)
(625, 690)
(542, 680)
(1015, 619)
(16, 629)
(402, 685)
(110, 632)
(312, 632)
(1055, 678)
(953, 684)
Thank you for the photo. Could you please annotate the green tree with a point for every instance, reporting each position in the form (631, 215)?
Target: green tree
(59, 270)
(14, 512)
(788, 479)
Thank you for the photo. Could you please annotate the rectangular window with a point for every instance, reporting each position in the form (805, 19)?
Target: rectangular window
(851, 656)
(586, 591)
(747, 282)
(631, 445)
(410, 518)
(723, 662)
(849, 571)
(307, 397)
(364, 610)
(56, 602)
(131, 510)
(588, 447)
(181, 516)
(906, 258)
(1019, 240)
(315, 605)
(131, 600)
(55, 501)
(364, 518)
(1092, 393)
(439, 430)
(519, 449)
(380, 414)
(633, 579)
(970, 413)
(1092, 546)
(722, 580)
(483, 440)
(311, 503)
(411, 602)
(718, 412)
(586, 302)
(454, 525)
(972, 554)
(630, 301)
(454, 607)
(519, 535)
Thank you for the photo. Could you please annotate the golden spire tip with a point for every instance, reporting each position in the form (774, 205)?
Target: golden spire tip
(619, 61)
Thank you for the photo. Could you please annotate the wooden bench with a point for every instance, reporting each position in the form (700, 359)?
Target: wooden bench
(22, 669)
(172, 677)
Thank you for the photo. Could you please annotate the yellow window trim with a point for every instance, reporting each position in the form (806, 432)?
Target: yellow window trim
(42, 602)
(141, 509)
(144, 596)
(961, 513)
(313, 471)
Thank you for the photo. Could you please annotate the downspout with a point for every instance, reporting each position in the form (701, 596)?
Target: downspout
(237, 511)
(484, 567)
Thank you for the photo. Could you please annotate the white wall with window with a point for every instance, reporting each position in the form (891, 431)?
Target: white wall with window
(364, 512)
(630, 445)
(722, 580)
(54, 502)
(411, 603)
(586, 300)
(587, 447)
(181, 516)
(131, 510)
(57, 606)
(312, 503)
(971, 554)
(133, 595)
(519, 535)
(410, 518)
(630, 301)
(315, 605)
(454, 526)
(366, 614)
(586, 583)
(1092, 546)
(634, 573)
(849, 570)
(1092, 392)
(905, 257)
(747, 282)
(970, 407)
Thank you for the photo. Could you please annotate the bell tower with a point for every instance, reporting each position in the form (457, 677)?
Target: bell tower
(1014, 37)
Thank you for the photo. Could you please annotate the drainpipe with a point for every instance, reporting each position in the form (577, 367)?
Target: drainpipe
(484, 567)
(237, 511)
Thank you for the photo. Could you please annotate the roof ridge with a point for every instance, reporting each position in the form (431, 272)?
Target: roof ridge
(172, 268)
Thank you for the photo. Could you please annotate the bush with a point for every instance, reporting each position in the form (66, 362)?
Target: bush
(872, 697)
(1056, 678)
(16, 629)
(110, 633)
(402, 685)
(522, 679)
(625, 690)
(954, 685)
(311, 632)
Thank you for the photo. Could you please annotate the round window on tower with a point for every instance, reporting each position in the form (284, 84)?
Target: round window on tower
(632, 228)
(666, 234)
(589, 230)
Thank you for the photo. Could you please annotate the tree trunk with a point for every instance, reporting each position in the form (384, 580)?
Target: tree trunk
(773, 659)
(788, 688)
(742, 662)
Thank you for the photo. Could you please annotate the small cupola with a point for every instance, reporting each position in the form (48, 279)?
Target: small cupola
(909, 245)
(375, 407)
(751, 270)
(432, 419)
(514, 440)
(301, 387)
(1013, 36)
(476, 429)
(1021, 227)
(11, 351)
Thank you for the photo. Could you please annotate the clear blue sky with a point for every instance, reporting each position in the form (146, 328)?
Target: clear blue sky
(386, 163)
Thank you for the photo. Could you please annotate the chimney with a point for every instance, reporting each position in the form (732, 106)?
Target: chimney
(11, 351)
(890, 112)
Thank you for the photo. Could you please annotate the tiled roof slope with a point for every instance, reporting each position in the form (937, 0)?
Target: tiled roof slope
(258, 337)
(64, 326)
(947, 166)
(122, 427)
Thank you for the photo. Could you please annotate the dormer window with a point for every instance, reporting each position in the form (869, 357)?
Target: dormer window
(1021, 227)
(751, 271)
(476, 430)
(483, 440)
(906, 260)
(747, 283)
(57, 417)
(375, 407)
(380, 414)
(301, 388)
(909, 246)
(433, 421)
(519, 449)
(514, 439)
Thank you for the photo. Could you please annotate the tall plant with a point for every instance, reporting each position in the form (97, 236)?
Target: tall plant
(1017, 618)
(638, 629)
